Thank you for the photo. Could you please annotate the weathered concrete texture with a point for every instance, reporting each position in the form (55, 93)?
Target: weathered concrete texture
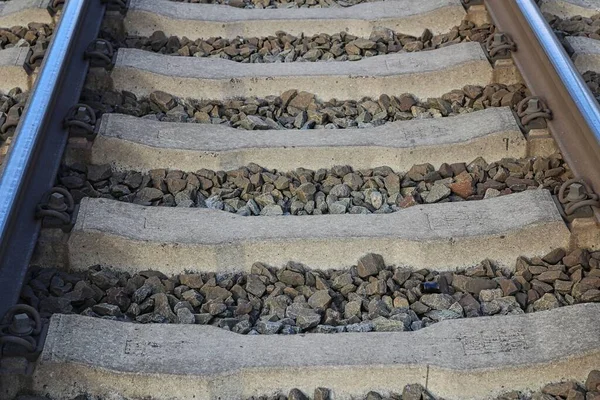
(12, 69)
(570, 8)
(160, 361)
(424, 74)
(139, 144)
(587, 53)
(438, 236)
(22, 12)
(206, 20)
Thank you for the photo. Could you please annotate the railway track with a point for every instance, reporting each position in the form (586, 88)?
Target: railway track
(291, 200)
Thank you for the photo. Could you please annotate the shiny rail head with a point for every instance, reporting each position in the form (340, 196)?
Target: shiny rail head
(34, 157)
(38, 110)
(577, 88)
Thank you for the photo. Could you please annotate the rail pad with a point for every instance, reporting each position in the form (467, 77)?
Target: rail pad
(586, 56)
(570, 8)
(12, 69)
(22, 12)
(438, 236)
(524, 352)
(424, 74)
(140, 144)
(206, 20)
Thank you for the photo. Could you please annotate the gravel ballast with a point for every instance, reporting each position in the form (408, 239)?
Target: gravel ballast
(575, 26)
(303, 110)
(279, 3)
(562, 390)
(369, 296)
(26, 36)
(11, 108)
(254, 190)
(284, 47)
(588, 390)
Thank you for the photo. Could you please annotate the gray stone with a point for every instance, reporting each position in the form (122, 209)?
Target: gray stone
(216, 308)
(296, 394)
(185, 316)
(291, 278)
(412, 392)
(306, 192)
(352, 308)
(203, 318)
(107, 309)
(104, 279)
(370, 264)
(268, 327)
(547, 302)
(320, 300)
(437, 193)
(242, 327)
(322, 394)
(147, 195)
(277, 305)
(193, 281)
(441, 315)
(96, 173)
(271, 210)
(382, 324)
(490, 307)
(307, 319)
(118, 297)
(193, 297)
(254, 285)
(376, 199)
(162, 307)
(490, 294)
(215, 293)
(341, 190)
(366, 326)
(163, 100)
(337, 207)
(555, 256)
(419, 307)
(437, 301)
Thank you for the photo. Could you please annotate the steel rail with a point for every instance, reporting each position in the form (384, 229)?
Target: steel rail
(572, 79)
(34, 157)
(549, 73)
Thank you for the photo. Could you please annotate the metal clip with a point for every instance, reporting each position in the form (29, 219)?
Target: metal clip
(22, 335)
(57, 209)
(81, 121)
(101, 54)
(3, 118)
(578, 200)
(35, 56)
(533, 113)
(11, 120)
(469, 3)
(55, 6)
(499, 46)
(117, 5)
